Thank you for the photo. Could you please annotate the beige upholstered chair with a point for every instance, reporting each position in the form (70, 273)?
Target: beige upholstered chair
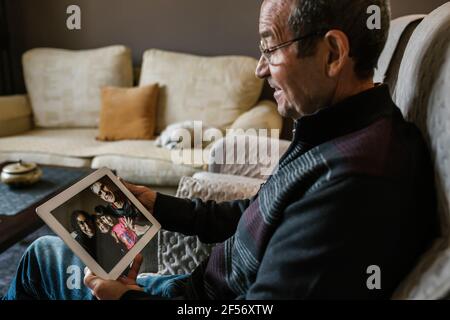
(423, 95)
(392, 55)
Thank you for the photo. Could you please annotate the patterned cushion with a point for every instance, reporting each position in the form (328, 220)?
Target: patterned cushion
(64, 86)
(238, 185)
(179, 254)
(214, 90)
(152, 172)
(245, 155)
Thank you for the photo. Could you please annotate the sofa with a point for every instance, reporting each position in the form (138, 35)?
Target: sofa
(56, 122)
(416, 65)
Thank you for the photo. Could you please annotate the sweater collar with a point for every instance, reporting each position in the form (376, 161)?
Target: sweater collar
(347, 116)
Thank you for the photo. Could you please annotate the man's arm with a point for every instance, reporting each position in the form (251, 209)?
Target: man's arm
(319, 238)
(212, 222)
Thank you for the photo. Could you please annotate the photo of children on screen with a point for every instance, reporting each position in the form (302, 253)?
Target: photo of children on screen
(103, 221)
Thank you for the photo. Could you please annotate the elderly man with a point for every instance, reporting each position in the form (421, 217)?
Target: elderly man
(352, 194)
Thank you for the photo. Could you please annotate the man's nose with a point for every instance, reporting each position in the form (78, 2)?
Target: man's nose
(262, 69)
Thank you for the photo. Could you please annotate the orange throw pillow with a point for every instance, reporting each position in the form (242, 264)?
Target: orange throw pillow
(128, 113)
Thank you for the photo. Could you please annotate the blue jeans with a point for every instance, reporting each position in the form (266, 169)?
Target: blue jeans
(50, 271)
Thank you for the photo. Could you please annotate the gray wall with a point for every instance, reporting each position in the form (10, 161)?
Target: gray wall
(404, 7)
(207, 27)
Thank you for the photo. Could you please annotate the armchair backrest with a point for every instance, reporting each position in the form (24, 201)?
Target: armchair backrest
(389, 62)
(423, 95)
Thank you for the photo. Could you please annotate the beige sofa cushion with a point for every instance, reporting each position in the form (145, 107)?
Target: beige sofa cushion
(214, 90)
(64, 86)
(263, 116)
(139, 161)
(80, 143)
(46, 159)
(152, 172)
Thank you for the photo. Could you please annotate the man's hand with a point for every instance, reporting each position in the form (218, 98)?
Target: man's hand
(145, 195)
(113, 289)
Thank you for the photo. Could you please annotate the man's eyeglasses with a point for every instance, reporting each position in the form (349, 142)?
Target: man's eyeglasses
(268, 52)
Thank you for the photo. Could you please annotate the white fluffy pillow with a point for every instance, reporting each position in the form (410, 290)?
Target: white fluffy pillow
(186, 135)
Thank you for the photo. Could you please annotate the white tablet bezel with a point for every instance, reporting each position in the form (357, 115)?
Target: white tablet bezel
(45, 212)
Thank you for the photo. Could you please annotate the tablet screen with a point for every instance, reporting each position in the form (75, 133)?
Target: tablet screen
(103, 221)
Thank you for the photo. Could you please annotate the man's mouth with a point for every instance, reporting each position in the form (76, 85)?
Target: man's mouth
(278, 93)
(277, 89)
(273, 86)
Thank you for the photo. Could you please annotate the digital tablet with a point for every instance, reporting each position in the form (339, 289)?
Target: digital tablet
(102, 222)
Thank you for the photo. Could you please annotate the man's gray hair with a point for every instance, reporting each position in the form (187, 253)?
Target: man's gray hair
(349, 16)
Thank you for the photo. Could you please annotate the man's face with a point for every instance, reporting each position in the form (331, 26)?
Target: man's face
(299, 83)
(103, 192)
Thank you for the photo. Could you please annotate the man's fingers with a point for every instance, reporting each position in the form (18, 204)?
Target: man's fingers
(87, 271)
(89, 278)
(94, 283)
(134, 270)
(126, 281)
(128, 184)
(132, 187)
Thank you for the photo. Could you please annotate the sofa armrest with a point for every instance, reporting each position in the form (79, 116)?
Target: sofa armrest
(218, 187)
(15, 115)
(263, 116)
(180, 254)
(246, 155)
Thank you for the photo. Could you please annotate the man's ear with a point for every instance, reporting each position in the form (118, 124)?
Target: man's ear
(338, 48)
